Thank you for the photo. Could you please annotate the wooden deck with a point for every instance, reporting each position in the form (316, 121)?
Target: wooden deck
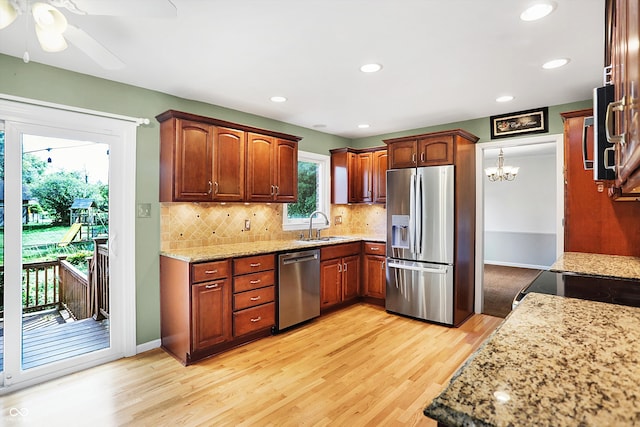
(52, 341)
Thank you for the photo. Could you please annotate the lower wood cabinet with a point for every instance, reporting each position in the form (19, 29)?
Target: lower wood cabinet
(207, 307)
(339, 274)
(374, 269)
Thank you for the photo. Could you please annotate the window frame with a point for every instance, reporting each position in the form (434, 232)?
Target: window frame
(324, 202)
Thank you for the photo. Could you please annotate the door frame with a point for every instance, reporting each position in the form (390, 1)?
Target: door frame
(119, 132)
(558, 140)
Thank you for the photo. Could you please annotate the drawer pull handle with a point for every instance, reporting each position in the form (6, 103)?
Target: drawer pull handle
(255, 264)
(255, 282)
(255, 298)
(257, 319)
(210, 271)
(375, 248)
(213, 286)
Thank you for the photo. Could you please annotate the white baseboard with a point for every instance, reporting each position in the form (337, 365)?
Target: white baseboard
(513, 264)
(148, 346)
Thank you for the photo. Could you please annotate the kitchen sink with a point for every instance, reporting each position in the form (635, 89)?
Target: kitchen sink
(321, 239)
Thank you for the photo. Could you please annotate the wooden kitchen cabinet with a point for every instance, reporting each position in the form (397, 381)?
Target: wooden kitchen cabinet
(593, 222)
(380, 162)
(186, 162)
(374, 270)
(433, 149)
(210, 310)
(272, 169)
(622, 53)
(204, 159)
(254, 307)
(358, 175)
(195, 307)
(339, 274)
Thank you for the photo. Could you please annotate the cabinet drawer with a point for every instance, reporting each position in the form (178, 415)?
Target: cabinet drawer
(337, 251)
(253, 281)
(253, 298)
(254, 319)
(374, 248)
(209, 271)
(253, 264)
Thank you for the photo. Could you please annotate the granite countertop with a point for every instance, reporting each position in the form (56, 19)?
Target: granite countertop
(231, 250)
(554, 361)
(626, 267)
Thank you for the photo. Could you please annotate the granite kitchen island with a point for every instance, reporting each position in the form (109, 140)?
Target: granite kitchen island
(555, 361)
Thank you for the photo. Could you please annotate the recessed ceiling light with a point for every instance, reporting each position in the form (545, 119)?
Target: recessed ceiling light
(363, 126)
(538, 10)
(555, 63)
(504, 98)
(278, 99)
(370, 68)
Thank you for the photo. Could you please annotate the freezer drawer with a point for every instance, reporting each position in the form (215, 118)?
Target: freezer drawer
(420, 290)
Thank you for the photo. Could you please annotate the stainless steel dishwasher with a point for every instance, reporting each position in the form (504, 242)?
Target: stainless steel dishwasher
(298, 287)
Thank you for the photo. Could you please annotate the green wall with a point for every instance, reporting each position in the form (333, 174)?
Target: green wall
(479, 127)
(51, 84)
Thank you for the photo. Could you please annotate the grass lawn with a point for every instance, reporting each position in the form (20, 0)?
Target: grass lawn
(39, 238)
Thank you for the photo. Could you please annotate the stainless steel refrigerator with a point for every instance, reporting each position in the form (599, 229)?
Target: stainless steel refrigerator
(420, 243)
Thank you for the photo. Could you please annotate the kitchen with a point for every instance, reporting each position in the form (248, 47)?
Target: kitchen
(147, 271)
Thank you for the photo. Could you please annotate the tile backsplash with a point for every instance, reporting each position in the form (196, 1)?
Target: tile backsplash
(188, 225)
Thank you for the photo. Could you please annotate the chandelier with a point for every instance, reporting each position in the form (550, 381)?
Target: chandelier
(501, 172)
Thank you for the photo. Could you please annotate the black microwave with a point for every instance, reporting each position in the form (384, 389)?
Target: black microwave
(603, 151)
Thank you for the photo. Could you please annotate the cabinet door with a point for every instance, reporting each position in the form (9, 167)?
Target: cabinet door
(364, 177)
(352, 181)
(380, 176)
(402, 154)
(260, 166)
(435, 151)
(629, 157)
(228, 171)
(286, 170)
(350, 277)
(374, 276)
(330, 282)
(210, 314)
(193, 165)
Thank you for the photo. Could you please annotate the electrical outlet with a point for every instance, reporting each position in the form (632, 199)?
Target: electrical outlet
(337, 220)
(247, 224)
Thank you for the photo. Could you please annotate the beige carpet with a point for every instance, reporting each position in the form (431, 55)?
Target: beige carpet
(501, 285)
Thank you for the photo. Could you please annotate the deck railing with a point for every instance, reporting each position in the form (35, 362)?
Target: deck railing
(48, 284)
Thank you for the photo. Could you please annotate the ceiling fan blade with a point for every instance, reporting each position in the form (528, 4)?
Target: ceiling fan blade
(92, 48)
(137, 8)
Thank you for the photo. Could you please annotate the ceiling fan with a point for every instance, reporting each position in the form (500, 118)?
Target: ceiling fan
(53, 31)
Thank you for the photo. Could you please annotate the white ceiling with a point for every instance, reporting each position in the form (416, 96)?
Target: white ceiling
(444, 61)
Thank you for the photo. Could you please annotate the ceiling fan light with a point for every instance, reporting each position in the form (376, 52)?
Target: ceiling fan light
(49, 18)
(50, 41)
(8, 14)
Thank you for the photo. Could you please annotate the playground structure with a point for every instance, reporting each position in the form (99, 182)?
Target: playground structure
(86, 222)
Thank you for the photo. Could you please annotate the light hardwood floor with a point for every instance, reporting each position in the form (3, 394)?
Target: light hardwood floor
(358, 366)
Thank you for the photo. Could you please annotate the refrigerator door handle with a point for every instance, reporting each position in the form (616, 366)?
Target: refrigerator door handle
(419, 213)
(412, 213)
(416, 268)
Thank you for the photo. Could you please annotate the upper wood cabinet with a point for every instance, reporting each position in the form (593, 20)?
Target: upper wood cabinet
(358, 175)
(432, 149)
(623, 51)
(209, 160)
(272, 169)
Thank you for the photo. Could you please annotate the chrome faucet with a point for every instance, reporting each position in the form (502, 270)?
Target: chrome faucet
(311, 223)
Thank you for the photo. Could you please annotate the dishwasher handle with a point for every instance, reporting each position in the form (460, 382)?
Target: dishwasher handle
(299, 259)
